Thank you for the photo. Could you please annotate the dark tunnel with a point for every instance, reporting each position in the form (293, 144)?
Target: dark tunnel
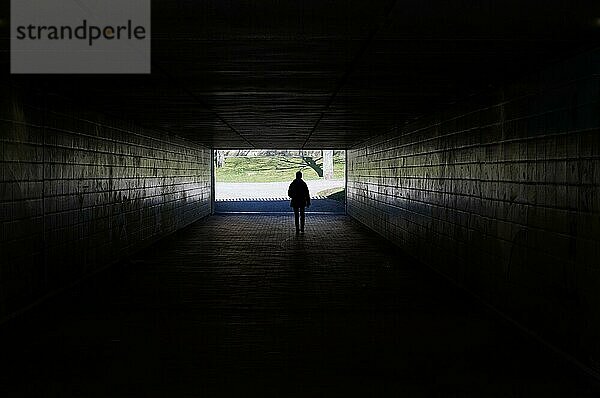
(462, 262)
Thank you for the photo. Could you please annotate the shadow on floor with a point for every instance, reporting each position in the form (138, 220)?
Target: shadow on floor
(238, 305)
(277, 206)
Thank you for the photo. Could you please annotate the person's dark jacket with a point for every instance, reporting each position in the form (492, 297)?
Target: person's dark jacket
(298, 191)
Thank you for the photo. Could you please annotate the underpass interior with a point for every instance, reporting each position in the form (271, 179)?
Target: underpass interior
(465, 262)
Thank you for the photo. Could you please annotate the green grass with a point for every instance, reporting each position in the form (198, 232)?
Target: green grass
(271, 169)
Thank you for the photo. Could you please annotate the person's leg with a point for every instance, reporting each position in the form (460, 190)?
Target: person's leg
(296, 211)
(302, 217)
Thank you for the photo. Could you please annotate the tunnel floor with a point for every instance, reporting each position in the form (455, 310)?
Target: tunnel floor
(240, 305)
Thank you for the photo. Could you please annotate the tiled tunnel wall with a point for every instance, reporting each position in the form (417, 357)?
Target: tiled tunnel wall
(79, 190)
(502, 195)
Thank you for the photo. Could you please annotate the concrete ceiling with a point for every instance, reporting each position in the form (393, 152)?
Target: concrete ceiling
(326, 74)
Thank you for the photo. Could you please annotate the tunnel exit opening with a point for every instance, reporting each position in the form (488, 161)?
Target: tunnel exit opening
(257, 181)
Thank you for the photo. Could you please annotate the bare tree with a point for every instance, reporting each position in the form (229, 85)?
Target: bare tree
(220, 158)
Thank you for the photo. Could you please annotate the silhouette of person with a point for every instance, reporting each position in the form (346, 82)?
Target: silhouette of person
(298, 191)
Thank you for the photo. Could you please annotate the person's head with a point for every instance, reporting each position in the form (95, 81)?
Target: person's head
(299, 175)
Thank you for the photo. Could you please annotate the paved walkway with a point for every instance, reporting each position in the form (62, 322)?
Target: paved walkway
(238, 305)
(268, 190)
